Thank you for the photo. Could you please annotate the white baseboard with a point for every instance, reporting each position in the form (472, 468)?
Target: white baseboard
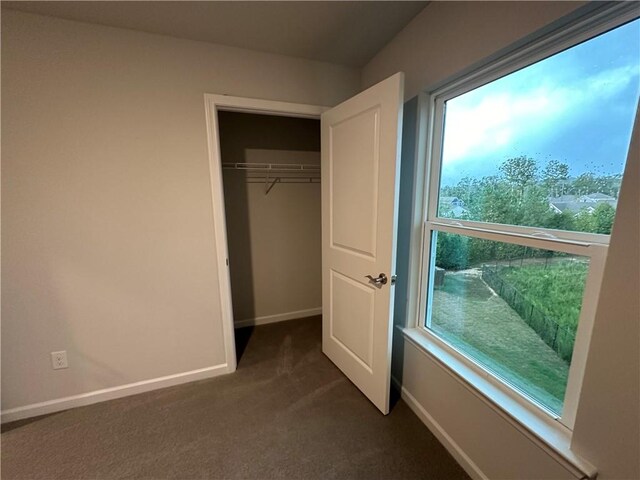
(96, 396)
(280, 317)
(443, 437)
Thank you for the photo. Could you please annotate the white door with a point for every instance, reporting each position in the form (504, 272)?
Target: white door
(360, 174)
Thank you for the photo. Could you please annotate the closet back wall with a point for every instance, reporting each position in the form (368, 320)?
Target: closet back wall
(275, 238)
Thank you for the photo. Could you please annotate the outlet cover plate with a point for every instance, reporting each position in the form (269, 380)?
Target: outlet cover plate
(59, 360)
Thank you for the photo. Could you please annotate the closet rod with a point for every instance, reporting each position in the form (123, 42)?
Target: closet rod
(272, 173)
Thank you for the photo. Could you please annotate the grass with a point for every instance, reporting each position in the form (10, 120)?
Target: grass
(470, 316)
(555, 289)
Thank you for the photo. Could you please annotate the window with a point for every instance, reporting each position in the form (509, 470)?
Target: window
(525, 168)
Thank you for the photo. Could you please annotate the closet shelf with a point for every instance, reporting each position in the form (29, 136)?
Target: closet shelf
(272, 173)
(272, 167)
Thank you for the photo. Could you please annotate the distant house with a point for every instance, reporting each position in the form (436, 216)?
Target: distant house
(563, 199)
(452, 207)
(571, 207)
(598, 198)
(578, 203)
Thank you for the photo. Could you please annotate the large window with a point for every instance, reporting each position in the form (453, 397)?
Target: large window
(526, 163)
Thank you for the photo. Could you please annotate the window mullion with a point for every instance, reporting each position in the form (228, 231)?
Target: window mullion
(580, 238)
(560, 245)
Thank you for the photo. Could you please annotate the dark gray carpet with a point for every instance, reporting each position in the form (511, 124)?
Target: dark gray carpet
(287, 412)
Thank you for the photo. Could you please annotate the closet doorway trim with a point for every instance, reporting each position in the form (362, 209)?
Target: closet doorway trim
(214, 103)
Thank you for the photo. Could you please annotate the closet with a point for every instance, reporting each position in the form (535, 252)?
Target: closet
(271, 180)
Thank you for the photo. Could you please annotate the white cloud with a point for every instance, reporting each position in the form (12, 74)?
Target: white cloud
(496, 117)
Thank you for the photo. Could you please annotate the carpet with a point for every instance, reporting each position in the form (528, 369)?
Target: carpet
(286, 413)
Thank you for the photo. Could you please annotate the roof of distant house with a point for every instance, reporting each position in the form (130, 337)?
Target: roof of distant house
(576, 203)
(599, 196)
(563, 198)
(574, 207)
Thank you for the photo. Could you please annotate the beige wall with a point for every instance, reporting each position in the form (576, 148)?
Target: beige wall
(107, 243)
(443, 40)
(447, 37)
(274, 239)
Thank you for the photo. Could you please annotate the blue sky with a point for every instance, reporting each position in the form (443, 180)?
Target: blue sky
(577, 107)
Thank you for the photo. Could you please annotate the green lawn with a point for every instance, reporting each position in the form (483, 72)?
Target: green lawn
(556, 288)
(467, 313)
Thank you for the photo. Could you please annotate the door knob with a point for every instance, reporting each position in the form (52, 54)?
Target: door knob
(381, 280)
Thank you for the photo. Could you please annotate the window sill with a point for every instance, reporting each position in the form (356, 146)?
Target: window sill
(540, 427)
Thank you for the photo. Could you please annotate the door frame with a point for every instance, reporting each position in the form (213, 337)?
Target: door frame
(214, 103)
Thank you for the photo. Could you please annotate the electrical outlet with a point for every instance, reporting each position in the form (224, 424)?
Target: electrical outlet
(59, 360)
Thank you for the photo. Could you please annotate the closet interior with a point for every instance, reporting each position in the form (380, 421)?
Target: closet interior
(271, 180)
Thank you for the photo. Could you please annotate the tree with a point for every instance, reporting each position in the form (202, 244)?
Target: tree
(535, 206)
(554, 176)
(494, 202)
(584, 184)
(466, 190)
(603, 217)
(560, 221)
(599, 221)
(584, 221)
(520, 171)
(452, 251)
(519, 196)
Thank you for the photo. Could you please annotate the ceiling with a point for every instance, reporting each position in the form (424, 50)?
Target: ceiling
(343, 32)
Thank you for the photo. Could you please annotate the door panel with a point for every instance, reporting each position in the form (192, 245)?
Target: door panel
(351, 315)
(360, 165)
(354, 170)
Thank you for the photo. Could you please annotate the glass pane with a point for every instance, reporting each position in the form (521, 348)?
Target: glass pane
(545, 146)
(513, 309)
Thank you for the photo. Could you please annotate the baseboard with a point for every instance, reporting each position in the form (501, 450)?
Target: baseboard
(443, 437)
(96, 396)
(280, 317)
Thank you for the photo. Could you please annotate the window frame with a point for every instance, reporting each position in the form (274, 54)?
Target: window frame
(429, 131)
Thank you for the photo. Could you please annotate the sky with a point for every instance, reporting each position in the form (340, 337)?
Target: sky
(577, 107)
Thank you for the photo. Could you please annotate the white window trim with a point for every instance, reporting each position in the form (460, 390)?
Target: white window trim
(557, 431)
